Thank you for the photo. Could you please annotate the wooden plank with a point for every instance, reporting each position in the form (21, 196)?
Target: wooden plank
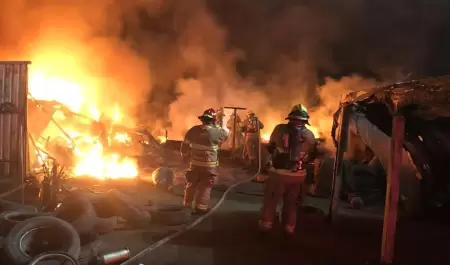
(337, 170)
(392, 190)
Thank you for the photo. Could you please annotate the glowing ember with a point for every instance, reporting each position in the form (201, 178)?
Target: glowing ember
(93, 162)
(162, 139)
(122, 137)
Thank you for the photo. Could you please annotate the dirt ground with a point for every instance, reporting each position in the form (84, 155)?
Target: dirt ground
(230, 237)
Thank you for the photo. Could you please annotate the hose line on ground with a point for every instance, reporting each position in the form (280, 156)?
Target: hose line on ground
(200, 219)
(5, 194)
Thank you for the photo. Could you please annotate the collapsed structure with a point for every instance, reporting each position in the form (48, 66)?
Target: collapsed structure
(406, 125)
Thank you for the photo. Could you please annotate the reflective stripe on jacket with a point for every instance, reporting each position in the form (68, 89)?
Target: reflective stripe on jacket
(204, 141)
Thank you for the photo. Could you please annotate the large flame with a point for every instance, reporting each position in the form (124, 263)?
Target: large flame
(57, 75)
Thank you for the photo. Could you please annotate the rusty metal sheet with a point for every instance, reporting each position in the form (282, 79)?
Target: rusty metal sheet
(427, 93)
(13, 118)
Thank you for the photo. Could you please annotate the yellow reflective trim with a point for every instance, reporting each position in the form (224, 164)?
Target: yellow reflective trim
(204, 147)
(202, 207)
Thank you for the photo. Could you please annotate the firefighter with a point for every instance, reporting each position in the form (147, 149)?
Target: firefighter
(250, 128)
(230, 126)
(220, 115)
(201, 148)
(289, 146)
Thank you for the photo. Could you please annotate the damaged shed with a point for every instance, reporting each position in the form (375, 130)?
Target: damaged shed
(407, 126)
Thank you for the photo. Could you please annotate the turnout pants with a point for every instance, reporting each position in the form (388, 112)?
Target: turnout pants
(251, 146)
(199, 184)
(286, 187)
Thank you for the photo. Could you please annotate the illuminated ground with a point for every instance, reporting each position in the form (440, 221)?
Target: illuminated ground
(230, 237)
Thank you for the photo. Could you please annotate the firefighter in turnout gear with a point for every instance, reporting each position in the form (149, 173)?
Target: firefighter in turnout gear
(250, 128)
(289, 146)
(201, 148)
(220, 115)
(230, 126)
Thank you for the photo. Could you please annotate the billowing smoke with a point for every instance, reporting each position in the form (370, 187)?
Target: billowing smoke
(171, 60)
(77, 56)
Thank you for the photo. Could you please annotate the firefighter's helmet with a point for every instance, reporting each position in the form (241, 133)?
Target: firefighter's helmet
(250, 113)
(209, 114)
(298, 112)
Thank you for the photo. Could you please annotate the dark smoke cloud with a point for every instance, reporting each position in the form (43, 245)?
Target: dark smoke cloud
(262, 54)
(291, 46)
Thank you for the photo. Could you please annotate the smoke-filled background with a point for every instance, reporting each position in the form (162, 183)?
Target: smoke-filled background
(166, 61)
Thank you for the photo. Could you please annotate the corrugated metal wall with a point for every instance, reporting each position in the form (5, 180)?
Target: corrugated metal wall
(13, 119)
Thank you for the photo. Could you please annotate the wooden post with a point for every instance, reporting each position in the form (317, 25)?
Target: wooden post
(392, 190)
(337, 169)
(234, 131)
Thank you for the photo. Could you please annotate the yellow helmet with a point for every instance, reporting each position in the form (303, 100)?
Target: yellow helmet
(298, 112)
(250, 113)
(299, 107)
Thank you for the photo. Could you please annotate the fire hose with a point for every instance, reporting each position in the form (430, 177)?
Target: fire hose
(5, 194)
(200, 219)
(53, 254)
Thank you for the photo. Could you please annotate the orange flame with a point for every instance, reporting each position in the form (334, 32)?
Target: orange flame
(58, 75)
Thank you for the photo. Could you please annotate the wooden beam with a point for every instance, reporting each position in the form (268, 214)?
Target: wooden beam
(392, 190)
(337, 169)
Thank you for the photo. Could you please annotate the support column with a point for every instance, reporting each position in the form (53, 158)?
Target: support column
(337, 169)
(392, 190)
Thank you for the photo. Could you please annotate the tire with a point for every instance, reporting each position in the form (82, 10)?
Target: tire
(134, 214)
(163, 176)
(54, 258)
(11, 218)
(79, 212)
(170, 214)
(58, 233)
(12, 206)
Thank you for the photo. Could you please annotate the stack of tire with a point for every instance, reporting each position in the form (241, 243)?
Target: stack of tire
(73, 227)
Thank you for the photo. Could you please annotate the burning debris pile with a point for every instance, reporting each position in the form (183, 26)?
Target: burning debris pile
(95, 144)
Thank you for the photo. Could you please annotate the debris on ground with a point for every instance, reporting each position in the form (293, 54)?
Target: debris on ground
(113, 257)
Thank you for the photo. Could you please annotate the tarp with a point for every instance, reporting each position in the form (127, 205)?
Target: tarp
(425, 105)
(380, 144)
